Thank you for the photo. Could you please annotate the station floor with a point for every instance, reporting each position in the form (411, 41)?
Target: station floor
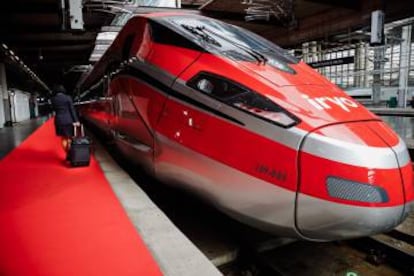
(11, 137)
(57, 220)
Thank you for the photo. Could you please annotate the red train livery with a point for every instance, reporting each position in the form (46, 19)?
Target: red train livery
(232, 117)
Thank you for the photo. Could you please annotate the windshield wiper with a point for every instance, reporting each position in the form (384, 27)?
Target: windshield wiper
(258, 56)
(200, 31)
(205, 37)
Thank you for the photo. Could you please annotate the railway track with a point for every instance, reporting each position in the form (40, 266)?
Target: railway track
(379, 255)
(386, 254)
(395, 248)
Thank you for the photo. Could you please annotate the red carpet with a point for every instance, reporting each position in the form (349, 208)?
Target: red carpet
(56, 220)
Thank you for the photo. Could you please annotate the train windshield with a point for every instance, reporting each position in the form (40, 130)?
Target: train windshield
(231, 41)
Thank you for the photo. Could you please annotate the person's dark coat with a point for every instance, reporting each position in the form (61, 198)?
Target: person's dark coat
(65, 114)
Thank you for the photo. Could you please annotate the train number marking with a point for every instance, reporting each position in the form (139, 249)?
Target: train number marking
(273, 173)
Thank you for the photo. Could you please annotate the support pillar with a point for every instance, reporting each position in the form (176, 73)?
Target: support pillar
(359, 65)
(2, 115)
(378, 70)
(305, 52)
(366, 73)
(377, 40)
(321, 56)
(33, 105)
(313, 51)
(405, 54)
(5, 118)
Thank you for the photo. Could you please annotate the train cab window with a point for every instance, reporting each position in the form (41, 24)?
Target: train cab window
(94, 92)
(164, 35)
(242, 98)
(220, 38)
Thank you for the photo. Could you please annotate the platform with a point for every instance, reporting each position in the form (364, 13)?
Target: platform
(403, 125)
(56, 220)
(387, 111)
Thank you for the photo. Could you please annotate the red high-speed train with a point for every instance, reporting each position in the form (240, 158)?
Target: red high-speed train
(234, 118)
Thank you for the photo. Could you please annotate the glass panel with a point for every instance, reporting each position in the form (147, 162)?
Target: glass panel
(242, 98)
(229, 40)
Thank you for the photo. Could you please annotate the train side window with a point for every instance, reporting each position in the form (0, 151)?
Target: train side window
(242, 98)
(126, 50)
(95, 92)
(112, 67)
(205, 86)
(217, 87)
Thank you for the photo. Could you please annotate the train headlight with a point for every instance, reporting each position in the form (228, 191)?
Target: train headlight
(356, 191)
(240, 97)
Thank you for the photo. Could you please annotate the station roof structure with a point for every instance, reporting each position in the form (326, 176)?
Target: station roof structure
(39, 32)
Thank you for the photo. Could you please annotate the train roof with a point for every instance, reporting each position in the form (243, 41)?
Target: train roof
(90, 77)
(207, 34)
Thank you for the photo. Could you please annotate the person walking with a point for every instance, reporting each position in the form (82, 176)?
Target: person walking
(65, 115)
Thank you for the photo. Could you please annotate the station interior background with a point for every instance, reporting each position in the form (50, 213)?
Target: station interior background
(45, 42)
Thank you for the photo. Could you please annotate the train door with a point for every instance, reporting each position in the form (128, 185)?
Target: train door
(107, 107)
(132, 134)
(179, 130)
(99, 111)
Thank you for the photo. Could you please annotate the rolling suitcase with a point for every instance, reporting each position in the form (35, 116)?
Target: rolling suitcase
(80, 148)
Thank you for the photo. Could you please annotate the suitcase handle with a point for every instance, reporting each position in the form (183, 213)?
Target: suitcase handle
(75, 132)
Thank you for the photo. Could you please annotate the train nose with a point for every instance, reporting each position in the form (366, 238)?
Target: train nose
(355, 180)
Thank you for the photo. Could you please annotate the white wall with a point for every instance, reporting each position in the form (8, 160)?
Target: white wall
(20, 106)
(3, 95)
(2, 115)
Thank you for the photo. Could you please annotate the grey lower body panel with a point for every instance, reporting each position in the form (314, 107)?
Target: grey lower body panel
(268, 207)
(248, 199)
(323, 220)
(139, 153)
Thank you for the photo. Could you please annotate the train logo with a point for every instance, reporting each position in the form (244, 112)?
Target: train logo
(325, 102)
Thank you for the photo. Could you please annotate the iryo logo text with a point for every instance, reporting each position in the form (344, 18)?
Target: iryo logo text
(322, 103)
